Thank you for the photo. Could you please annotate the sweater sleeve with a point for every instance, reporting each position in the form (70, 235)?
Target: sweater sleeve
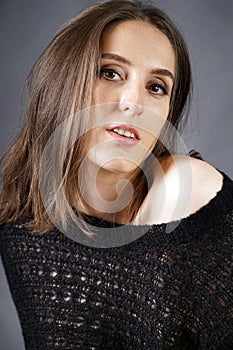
(209, 298)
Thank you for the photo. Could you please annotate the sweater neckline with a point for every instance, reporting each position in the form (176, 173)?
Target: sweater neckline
(181, 231)
(217, 201)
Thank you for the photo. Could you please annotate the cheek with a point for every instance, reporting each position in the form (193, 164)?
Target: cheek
(161, 108)
(152, 143)
(165, 106)
(148, 140)
(103, 93)
(97, 137)
(100, 94)
(95, 96)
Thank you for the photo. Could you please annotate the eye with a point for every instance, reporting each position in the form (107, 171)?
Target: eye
(109, 74)
(157, 89)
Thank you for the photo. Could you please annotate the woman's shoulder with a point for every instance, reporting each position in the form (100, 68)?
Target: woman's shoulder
(183, 185)
(205, 179)
(195, 177)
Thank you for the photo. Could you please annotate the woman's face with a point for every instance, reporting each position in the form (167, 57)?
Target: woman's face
(131, 95)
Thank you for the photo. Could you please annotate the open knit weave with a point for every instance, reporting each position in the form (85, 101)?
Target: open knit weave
(162, 291)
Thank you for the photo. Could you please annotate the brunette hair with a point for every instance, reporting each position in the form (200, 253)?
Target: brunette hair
(60, 85)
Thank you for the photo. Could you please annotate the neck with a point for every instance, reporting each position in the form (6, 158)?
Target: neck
(106, 194)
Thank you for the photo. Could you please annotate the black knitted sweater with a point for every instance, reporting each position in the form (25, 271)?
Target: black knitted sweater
(161, 291)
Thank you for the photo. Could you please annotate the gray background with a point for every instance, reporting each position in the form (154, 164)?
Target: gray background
(27, 26)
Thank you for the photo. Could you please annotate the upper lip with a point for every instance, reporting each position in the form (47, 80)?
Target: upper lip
(125, 127)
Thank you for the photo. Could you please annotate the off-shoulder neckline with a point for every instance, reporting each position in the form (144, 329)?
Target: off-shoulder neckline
(226, 181)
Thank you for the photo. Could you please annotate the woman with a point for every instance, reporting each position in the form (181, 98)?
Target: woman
(96, 160)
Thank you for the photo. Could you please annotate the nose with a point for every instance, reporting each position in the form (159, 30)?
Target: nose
(131, 100)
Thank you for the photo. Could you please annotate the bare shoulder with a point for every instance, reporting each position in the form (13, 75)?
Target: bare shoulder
(183, 186)
(203, 173)
(204, 179)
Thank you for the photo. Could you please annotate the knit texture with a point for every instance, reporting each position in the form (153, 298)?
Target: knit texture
(165, 290)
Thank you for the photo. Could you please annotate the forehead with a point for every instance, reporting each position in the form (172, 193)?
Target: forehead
(141, 43)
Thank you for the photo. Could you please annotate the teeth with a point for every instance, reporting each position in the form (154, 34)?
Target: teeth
(127, 133)
(123, 132)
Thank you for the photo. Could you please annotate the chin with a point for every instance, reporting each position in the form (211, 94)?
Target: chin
(114, 162)
(119, 166)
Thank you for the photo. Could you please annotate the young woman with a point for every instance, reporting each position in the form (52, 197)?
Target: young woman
(96, 166)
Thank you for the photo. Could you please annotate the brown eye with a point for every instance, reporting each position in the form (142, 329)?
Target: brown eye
(157, 89)
(109, 74)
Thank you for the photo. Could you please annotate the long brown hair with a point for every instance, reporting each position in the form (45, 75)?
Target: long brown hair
(60, 85)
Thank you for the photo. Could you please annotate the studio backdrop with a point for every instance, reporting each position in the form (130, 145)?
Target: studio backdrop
(26, 28)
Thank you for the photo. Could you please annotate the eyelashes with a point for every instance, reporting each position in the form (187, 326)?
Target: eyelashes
(157, 88)
(109, 74)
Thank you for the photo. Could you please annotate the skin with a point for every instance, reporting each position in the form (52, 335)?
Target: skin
(183, 186)
(134, 89)
(132, 92)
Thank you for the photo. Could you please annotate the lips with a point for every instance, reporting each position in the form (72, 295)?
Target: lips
(125, 131)
(124, 134)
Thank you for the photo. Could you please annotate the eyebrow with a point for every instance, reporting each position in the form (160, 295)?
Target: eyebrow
(160, 71)
(116, 57)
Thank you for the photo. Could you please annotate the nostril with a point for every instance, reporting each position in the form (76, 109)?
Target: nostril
(131, 108)
(126, 106)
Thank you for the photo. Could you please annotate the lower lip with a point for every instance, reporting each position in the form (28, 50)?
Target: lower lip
(127, 141)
